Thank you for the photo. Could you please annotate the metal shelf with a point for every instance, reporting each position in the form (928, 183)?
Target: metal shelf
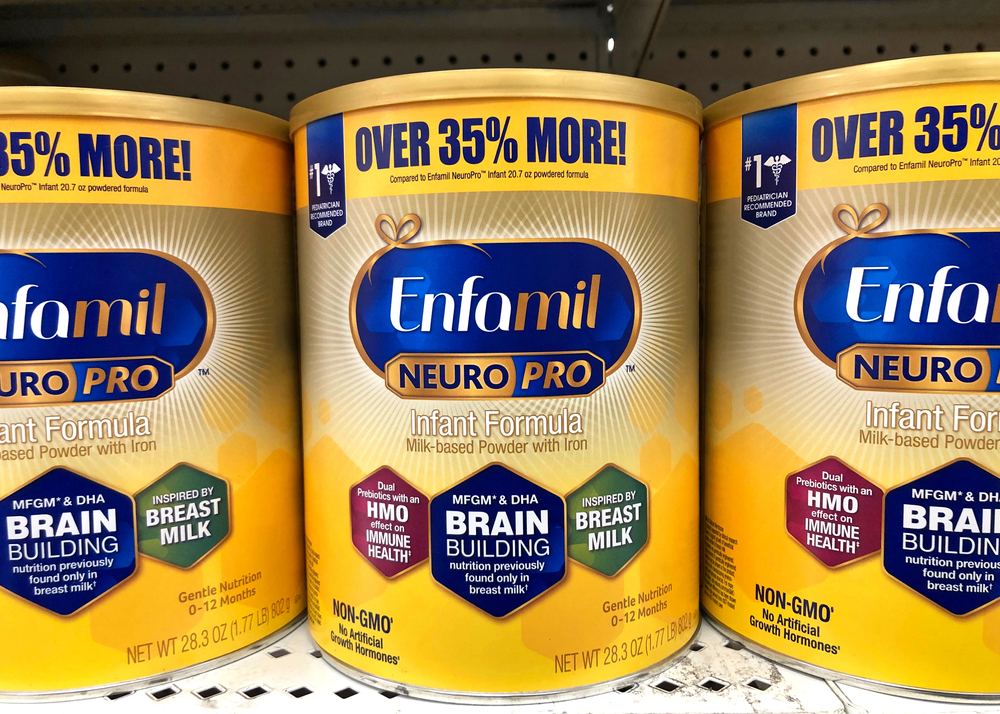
(716, 677)
(284, 679)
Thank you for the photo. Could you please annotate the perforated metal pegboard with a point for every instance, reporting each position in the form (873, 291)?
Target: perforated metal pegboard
(716, 49)
(270, 60)
(268, 55)
(273, 77)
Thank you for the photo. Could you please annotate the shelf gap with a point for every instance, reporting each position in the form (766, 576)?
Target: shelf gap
(160, 694)
(712, 684)
(209, 692)
(257, 690)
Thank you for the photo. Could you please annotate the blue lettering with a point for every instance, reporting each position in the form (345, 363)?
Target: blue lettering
(541, 139)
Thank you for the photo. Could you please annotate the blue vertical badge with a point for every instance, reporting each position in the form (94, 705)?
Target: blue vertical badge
(769, 159)
(327, 197)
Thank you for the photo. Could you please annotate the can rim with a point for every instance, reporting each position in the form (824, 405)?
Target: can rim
(85, 102)
(495, 83)
(873, 77)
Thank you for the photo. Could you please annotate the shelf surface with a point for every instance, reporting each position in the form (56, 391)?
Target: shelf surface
(716, 677)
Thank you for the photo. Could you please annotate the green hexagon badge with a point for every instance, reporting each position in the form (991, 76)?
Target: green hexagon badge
(182, 516)
(608, 520)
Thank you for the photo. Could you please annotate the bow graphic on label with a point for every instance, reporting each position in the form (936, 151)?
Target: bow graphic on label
(396, 238)
(865, 231)
(859, 231)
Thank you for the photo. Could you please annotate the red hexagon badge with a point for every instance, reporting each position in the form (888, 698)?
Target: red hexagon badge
(834, 512)
(389, 518)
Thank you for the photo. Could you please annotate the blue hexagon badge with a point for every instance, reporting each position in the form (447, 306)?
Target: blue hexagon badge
(942, 536)
(498, 540)
(66, 540)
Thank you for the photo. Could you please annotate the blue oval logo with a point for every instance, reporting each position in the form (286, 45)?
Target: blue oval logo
(909, 310)
(102, 325)
(494, 319)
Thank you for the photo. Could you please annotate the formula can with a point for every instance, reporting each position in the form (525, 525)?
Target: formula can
(852, 495)
(150, 495)
(499, 286)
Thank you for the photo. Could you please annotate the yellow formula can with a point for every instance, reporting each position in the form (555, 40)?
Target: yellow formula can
(150, 496)
(498, 278)
(852, 495)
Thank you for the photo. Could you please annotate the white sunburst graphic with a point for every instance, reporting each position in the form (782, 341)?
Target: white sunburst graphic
(223, 249)
(755, 341)
(370, 423)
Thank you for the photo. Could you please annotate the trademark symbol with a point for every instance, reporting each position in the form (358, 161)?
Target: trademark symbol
(630, 368)
(203, 371)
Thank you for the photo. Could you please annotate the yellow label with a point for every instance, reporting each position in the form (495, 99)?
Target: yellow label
(501, 471)
(902, 135)
(150, 487)
(45, 159)
(520, 145)
(851, 367)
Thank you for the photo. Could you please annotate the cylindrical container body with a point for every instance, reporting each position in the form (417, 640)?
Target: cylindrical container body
(852, 496)
(498, 279)
(150, 495)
